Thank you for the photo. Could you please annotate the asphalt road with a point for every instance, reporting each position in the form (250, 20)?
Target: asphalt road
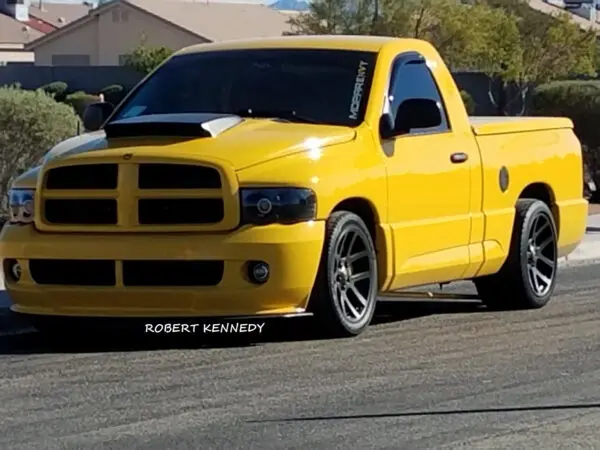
(428, 375)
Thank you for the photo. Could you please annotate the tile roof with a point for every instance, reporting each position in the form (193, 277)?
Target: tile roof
(40, 23)
(218, 21)
(58, 14)
(14, 32)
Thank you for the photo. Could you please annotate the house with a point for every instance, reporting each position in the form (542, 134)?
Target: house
(114, 29)
(553, 8)
(22, 23)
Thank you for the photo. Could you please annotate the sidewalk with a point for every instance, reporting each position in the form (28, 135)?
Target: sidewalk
(589, 250)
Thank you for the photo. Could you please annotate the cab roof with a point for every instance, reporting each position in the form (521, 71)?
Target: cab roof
(333, 42)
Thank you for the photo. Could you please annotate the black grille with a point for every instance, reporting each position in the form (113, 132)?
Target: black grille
(180, 211)
(73, 272)
(81, 212)
(172, 273)
(178, 176)
(92, 176)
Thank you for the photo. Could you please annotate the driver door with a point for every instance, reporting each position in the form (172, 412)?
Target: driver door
(429, 185)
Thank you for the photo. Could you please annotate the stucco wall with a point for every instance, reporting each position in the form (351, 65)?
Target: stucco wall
(112, 33)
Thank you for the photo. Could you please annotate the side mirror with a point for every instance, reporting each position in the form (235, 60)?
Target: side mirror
(417, 113)
(96, 114)
(386, 126)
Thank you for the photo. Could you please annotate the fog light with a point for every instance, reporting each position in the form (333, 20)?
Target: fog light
(258, 272)
(16, 271)
(12, 270)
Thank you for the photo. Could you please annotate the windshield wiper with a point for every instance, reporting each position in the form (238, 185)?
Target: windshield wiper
(283, 114)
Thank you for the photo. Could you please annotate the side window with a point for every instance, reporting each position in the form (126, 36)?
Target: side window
(413, 80)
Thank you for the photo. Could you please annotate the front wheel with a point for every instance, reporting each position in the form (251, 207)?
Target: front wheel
(528, 277)
(345, 292)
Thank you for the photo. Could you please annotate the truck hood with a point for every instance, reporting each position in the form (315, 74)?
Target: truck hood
(242, 144)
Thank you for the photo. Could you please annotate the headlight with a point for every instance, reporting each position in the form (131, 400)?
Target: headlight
(262, 206)
(20, 205)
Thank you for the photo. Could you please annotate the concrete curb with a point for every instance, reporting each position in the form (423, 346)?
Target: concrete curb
(568, 262)
(588, 251)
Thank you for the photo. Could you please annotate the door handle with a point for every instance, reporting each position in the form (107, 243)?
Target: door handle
(458, 158)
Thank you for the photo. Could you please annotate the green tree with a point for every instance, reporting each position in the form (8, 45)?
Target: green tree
(338, 17)
(31, 122)
(467, 36)
(549, 48)
(506, 39)
(470, 104)
(145, 59)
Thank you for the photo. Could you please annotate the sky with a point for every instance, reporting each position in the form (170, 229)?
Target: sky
(218, 1)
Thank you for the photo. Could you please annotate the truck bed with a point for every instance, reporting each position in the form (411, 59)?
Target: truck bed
(488, 125)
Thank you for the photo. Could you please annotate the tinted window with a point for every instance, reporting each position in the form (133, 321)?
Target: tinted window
(414, 80)
(328, 86)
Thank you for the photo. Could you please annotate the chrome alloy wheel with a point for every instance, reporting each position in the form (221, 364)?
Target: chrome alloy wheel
(353, 275)
(541, 255)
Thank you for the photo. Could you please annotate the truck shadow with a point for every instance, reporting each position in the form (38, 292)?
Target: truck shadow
(399, 311)
(92, 340)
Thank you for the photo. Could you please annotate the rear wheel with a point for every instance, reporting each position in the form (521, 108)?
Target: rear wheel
(528, 277)
(345, 292)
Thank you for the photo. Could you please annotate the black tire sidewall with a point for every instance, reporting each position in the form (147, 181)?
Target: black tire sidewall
(349, 221)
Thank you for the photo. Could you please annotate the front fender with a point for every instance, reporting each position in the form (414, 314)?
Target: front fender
(335, 173)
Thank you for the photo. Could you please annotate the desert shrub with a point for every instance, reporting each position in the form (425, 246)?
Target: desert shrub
(579, 101)
(80, 100)
(144, 59)
(57, 89)
(468, 101)
(111, 88)
(113, 93)
(31, 122)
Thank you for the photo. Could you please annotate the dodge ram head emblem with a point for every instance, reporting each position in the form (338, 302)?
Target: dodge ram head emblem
(127, 156)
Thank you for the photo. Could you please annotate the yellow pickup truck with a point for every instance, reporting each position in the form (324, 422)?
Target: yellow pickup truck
(292, 176)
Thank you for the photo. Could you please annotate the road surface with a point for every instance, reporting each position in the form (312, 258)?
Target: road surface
(427, 376)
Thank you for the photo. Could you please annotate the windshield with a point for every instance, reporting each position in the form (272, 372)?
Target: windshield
(320, 86)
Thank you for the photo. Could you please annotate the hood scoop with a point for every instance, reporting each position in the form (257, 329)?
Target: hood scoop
(194, 125)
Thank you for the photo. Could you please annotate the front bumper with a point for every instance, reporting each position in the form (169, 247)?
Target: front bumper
(292, 252)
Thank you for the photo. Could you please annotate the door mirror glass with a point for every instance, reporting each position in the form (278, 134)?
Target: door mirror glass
(417, 113)
(96, 114)
(386, 126)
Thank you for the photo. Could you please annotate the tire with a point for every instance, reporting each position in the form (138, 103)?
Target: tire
(348, 251)
(517, 285)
